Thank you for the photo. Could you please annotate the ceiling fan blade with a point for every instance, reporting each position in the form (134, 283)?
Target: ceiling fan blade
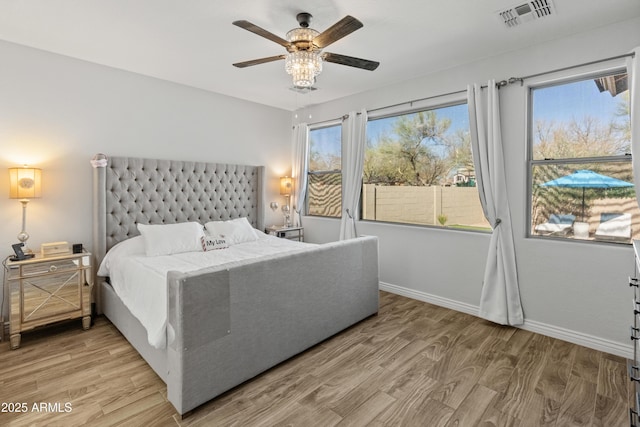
(340, 29)
(258, 61)
(350, 61)
(262, 32)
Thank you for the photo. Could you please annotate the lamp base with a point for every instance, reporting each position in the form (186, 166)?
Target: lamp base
(23, 236)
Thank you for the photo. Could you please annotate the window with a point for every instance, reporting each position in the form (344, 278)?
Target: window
(580, 163)
(418, 169)
(324, 188)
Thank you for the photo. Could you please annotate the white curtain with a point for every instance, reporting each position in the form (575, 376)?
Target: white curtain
(353, 145)
(633, 77)
(500, 298)
(299, 169)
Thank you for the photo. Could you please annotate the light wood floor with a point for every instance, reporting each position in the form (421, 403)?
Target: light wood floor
(414, 364)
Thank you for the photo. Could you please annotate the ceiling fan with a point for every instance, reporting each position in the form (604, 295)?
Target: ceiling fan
(304, 57)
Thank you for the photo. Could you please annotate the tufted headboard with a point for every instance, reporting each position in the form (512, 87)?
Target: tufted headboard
(128, 191)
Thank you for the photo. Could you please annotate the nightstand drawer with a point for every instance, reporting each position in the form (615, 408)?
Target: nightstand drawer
(43, 268)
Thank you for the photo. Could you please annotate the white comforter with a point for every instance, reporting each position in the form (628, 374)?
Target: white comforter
(141, 284)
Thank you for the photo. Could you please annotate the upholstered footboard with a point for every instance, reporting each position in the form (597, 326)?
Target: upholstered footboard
(227, 325)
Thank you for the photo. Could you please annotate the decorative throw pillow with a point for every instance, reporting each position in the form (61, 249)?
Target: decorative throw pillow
(167, 239)
(213, 243)
(234, 230)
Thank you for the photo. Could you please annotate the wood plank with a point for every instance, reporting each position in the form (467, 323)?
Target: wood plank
(368, 411)
(587, 364)
(471, 410)
(578, 406)
(412, 405)
(612, 377)
(540, 411)
(610, 412)
(419, 410)
(553, 380)
(498, 373)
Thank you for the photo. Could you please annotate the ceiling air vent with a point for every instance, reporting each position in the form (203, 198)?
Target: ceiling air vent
(526, 12)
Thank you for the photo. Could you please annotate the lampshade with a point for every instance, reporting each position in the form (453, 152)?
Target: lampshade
(25, 183)
(285, 186)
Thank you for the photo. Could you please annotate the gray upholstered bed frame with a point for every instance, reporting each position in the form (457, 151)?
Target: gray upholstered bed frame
(226, 324)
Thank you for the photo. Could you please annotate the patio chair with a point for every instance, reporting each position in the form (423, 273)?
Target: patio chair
(614, 226)
(556, 225)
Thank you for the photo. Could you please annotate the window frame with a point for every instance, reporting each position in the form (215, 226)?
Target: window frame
(317, 126)
(560, 78)
(411, 107)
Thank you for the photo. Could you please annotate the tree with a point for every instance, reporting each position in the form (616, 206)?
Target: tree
(418, 151)
(323, 160)
(623, 111)
(414, 133)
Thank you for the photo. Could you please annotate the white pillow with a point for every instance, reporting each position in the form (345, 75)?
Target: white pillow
(234, 230)
(132, 246)
(167, 239)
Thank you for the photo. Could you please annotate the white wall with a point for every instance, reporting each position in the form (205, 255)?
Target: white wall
(57, 112)
(570, 290)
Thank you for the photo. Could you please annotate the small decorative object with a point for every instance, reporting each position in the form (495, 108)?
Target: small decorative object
(274, 206)
(99, 161)
(287, 215)
(54, 248)
(285, 190)
(25, 183)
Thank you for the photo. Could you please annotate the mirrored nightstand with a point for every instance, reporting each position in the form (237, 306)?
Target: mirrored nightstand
(291, 233)
(44, 290)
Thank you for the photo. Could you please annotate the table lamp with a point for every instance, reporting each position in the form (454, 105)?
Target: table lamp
(25, 183)
(285, 190)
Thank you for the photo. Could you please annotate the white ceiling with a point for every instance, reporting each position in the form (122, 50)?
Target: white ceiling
(193, 42)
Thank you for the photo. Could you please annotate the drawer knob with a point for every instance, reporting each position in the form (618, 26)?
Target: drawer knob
(53, 268)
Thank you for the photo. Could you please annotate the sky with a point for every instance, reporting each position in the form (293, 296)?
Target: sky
(574, 100)
(326, 140)
(559, 103)
(459, 115)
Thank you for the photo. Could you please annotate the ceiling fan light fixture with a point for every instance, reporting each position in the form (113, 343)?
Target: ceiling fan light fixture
(304, 46)
(303, 66)
(302, 35)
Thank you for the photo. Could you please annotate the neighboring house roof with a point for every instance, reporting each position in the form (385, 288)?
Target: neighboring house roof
(613, 84)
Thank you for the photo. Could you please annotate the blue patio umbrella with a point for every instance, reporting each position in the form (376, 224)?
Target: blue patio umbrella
(586, 179)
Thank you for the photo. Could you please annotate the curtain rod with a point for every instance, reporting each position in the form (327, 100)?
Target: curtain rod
(521, 79)
(391, 106)
(417, 100)
(499, 84)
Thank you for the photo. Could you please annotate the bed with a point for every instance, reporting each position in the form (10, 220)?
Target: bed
(226, 323)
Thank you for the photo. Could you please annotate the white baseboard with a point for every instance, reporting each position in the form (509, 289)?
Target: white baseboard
(596, 343)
